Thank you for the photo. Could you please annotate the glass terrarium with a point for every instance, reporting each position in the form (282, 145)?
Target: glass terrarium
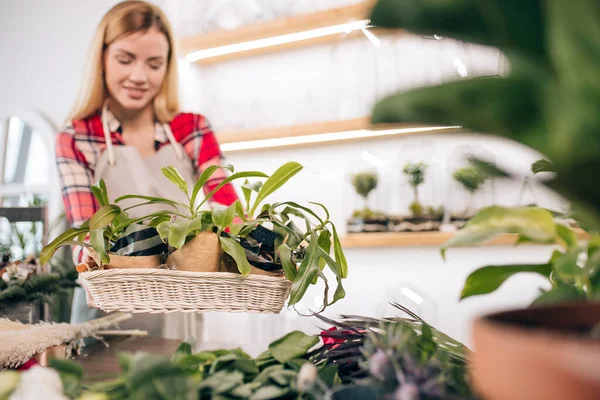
(416, 175)
(366, 196)
(471, 186)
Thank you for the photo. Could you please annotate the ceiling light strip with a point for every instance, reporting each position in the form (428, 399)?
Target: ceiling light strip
(276, 40)
(325, 137)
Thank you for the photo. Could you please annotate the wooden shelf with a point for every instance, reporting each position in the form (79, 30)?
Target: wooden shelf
(297, 134)
(417, 239)
(280, 27)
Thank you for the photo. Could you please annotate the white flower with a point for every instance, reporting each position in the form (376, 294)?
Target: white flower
(377, 364)
(307, 377)
(407, 392)
(39, 383)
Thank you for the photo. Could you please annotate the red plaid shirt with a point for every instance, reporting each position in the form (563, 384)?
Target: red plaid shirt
(80, 144)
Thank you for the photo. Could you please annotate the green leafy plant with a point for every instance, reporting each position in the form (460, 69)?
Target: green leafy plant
(573, 270)
(470, 178)
(208, 374)
(364, 183)
(415, 174)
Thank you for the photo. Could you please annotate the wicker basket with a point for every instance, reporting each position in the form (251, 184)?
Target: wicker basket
(166, 291)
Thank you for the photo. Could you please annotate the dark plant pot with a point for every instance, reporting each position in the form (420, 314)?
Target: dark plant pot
(24, 312)
(542, 352)
(360, 225)
(266, 239)
(416, 224)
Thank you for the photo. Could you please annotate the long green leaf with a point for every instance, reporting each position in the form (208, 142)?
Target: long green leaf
(204, 177)
(293, 345)
(104, 216)
(533, 223)
(237, 252)
(568, 235)
(49, 250)
(295, 212)
(100, 195)
(99, 244)
(279, 178)
(307, 271)
(172, 174)
(340, 293)
(237, 175)
(340, 257)
(156, 200)
(487, 279)
(285, 255)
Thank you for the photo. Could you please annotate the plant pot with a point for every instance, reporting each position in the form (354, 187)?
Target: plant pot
(201, 254)
(23, 311)
(543, 352)
(360, 225)
(229, 265)
(125, 262)
(416, 224)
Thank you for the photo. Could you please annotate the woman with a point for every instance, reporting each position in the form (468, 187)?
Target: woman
(126, 126)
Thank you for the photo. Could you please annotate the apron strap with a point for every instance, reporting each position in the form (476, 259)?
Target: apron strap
(176, 146)
(107, 136)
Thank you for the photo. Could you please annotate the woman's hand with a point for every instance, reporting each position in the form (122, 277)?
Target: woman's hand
(88, 259)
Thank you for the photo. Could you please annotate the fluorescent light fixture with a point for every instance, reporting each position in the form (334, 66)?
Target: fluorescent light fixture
(325, 137)
(376, 161)
(374, 39)
(460, 67)
(412, 295)
(276, 40)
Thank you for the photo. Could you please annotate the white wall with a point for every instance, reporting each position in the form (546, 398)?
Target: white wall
(43, 46)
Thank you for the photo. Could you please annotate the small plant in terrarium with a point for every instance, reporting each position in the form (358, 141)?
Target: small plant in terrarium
(471, 179)
(364, 183)
(415, 174)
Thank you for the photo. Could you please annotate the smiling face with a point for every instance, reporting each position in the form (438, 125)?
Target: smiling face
(135, 67)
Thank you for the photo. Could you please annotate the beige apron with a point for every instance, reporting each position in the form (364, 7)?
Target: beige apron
(124, 172)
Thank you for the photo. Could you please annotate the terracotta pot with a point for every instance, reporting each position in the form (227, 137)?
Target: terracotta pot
(540, 353)
(124, 262)
(201, 254)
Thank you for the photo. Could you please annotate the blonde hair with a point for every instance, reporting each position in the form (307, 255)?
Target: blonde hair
(125, 19)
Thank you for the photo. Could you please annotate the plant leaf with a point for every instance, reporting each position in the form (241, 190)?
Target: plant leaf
(104, 216)
(99, 244)
(293, 345)
(163, 230)
(565, 265)
(237, 252)
(568, 235)
(237, 175)
(172, 174)
(340, 258)
(99, 191)
(49, 250)
(297, 212)
(487, 279)
(542, 166)
(559, 294)
(154, 200)
(533, 223)
(204, 177)
(285, 255)
(178, 233)
(307, 271)
(222, 217)
(275, 181)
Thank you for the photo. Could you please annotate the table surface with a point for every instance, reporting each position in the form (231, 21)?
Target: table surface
(97, 359)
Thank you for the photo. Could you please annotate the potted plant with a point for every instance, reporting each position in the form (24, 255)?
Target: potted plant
(366, 219)
(470, 179)
(547, 101)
